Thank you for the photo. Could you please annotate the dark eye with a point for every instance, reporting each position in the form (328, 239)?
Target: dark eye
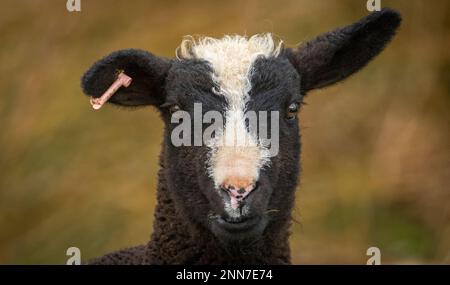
(291, 111)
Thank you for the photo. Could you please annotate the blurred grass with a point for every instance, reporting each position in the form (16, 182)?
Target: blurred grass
(376, 148)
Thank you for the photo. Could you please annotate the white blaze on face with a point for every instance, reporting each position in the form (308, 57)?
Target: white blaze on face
(236, 154)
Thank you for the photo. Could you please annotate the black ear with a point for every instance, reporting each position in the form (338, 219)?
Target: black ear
(147, 71)
(335, 55)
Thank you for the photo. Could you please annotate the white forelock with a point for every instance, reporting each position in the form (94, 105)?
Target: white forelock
(231, 57)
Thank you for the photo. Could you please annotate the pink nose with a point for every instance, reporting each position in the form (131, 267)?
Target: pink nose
(238, 189)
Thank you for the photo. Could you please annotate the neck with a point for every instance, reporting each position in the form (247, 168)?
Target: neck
(174, 241)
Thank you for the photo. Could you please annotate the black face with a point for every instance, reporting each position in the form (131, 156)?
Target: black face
(276, 87)
(277, 84)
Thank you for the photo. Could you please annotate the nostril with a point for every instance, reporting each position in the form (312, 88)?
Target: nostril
(224, 189)
(254, 187)
(241, 191)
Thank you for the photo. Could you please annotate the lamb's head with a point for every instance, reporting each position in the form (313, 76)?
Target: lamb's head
(232, 143)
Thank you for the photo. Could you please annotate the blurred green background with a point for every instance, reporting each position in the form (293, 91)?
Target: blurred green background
(376, 168)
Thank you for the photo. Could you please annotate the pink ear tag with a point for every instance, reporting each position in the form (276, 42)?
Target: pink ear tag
(122, 80)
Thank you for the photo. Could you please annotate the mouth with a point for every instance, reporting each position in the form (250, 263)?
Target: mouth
(238, 228)
(239, 224)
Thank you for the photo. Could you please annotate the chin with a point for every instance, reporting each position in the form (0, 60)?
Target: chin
(238, 229)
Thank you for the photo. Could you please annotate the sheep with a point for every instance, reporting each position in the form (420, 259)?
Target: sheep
(228, 204)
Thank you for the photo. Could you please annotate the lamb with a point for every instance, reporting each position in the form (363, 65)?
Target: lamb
(220, 203)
